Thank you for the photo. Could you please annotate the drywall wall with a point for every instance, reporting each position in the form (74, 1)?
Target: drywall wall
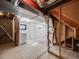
(36, 31)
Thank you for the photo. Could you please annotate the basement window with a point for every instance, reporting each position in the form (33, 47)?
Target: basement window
(22, 26)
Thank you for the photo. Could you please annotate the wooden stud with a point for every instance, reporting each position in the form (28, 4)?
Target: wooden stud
(13, 28)
(17, 31)
(72, 39)
(60, 34)
(47, 19)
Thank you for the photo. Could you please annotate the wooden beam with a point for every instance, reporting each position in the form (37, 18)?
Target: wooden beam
(55, 5)
(60, 33)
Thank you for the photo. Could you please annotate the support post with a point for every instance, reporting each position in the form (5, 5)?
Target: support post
(47, 20)
(60, 34)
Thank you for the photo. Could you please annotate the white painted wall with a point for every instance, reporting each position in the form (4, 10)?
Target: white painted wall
(36, 31)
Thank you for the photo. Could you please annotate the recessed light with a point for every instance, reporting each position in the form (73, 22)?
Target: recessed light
(1, 13)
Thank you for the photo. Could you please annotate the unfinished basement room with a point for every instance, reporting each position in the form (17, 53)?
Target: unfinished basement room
(39, 29)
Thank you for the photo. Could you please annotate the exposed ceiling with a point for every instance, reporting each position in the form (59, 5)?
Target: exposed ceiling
(21, 11)
(5, 6)
(17, 7)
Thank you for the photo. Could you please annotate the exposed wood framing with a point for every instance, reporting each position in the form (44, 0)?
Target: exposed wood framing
(47, 20)
(60, 32)
(6, 32)
(16, 31)
(13, 28)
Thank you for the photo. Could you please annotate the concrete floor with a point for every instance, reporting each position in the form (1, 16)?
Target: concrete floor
(31, 50)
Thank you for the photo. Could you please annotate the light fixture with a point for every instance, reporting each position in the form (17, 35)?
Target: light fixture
(34, 44)
(43, 23)
(25, 19)
(1, 13)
